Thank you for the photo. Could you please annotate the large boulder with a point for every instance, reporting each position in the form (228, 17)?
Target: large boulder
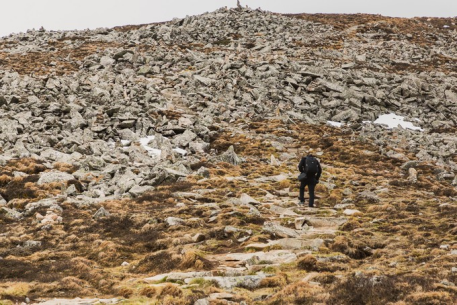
(54, 176)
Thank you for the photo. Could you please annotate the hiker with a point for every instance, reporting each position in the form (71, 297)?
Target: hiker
(310, 172)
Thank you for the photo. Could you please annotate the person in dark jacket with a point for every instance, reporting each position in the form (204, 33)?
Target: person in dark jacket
(311, 180)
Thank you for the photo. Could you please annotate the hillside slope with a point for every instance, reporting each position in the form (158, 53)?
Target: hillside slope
(157, 163)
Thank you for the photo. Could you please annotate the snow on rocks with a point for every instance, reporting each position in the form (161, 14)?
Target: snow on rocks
(392, 120)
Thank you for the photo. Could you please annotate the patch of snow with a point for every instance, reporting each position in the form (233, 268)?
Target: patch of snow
(145, 141)
(153, 152)
(392, 120)
(125, 142)
(180, 151)
(445, 26)
(334, 124)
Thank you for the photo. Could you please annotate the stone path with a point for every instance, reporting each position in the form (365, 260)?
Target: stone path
(309, 229)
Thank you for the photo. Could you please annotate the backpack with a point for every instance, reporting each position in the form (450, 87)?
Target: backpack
(311, 168)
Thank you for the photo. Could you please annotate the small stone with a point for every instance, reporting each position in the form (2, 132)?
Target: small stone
(274, 161)
(369, 196)
(174, 221)
(445, 247)
(219, 296)
(246, 199)
(342, 206)
(101, 213)
(2, 201)
(198, 237)
(454, 270)
(202, 302)
(125, 264)
(32, 244)
(350, 212)
(231, 157)
(412, 175)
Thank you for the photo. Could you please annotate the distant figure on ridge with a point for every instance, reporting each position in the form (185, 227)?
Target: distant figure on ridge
(310, 172)
(238, 3)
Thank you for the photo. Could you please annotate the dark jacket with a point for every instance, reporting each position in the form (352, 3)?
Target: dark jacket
(302, 165)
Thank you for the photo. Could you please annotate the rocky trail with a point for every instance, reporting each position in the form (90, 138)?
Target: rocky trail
(157, 164)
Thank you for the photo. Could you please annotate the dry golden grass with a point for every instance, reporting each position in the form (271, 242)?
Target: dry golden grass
(15, 290)
(89, 252)
(298, 293)
(148, 292)
(308, 263)
(125, 292)
(279, 280)
(170, 290)
(64, 167)
(5, 179)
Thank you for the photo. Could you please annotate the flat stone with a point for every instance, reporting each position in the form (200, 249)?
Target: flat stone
(246, 199)
(174, 221)
(274, 257)
(247, 281)
(278, 230)
(178, 276)
(221, 296)
(342, 206)
(101, 213)
(282, 211)
(11, 213)
(350, 212)
(137, 190)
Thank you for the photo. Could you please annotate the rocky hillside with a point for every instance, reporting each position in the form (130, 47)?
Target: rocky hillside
(156, 164)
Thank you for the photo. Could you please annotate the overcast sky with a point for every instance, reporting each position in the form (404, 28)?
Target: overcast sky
(20, 15)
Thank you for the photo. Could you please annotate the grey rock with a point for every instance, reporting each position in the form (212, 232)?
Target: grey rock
(11, 213)
(278, 230)
(102, 212)
(246, 199)
(107, 61)
(247, 281)
(137, 190)
(370, 197)
(409, 164)
(184, 139)
(198, 237)
(174, 221)
(204, 80)
(32, 244)
(350, 212)
(412, 175)
(199, 147)
(49, 203)
(2, 201)
(54, 176)
(231, 157)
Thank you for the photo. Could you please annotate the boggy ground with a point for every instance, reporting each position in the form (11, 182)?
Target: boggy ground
(398, 248)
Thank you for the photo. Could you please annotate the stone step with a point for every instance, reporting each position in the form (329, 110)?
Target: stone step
(290, 244)
(241, 259)
(319, 222)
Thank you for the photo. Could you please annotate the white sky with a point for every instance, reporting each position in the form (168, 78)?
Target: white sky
(20, 15)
